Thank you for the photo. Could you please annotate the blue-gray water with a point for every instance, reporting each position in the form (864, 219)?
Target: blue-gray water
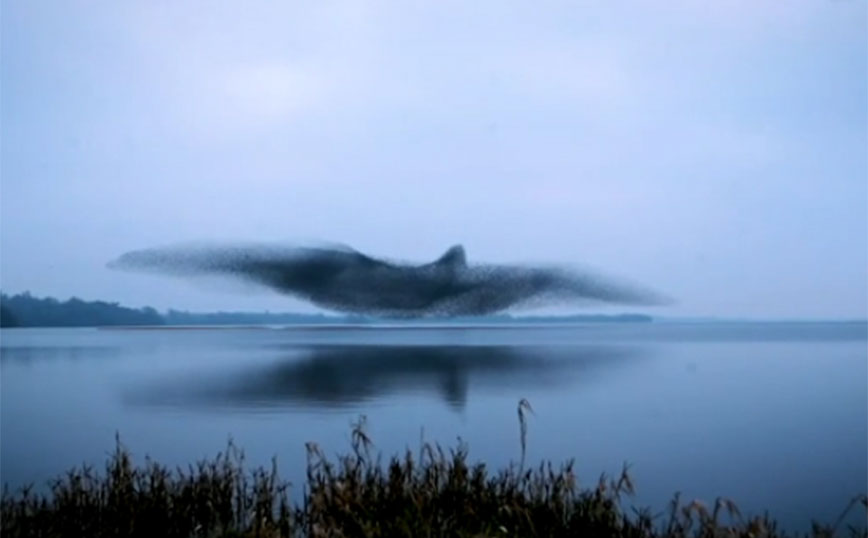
(772, 415)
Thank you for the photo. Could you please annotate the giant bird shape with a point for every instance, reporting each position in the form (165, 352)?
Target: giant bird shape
(340, 278)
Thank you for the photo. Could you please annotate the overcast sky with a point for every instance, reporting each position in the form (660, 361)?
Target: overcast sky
(714, 151)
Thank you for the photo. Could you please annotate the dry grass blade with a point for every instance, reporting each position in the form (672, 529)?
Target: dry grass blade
(523, 406)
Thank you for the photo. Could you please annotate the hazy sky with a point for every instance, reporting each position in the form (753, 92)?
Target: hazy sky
(714, 150)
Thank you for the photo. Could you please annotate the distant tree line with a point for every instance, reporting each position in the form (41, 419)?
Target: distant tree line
(177, 317)
(6, 317)
(25, 310)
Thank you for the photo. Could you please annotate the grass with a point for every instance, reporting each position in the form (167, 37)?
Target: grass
(434, 492)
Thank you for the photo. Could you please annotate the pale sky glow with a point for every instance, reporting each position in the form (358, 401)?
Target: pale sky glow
(715, 151)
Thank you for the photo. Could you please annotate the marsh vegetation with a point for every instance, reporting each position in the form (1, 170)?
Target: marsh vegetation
(429, 492)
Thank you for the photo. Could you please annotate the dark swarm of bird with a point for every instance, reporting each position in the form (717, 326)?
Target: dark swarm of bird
(342, 279)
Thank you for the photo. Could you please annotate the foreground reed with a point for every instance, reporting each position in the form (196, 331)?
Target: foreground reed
(434, 492)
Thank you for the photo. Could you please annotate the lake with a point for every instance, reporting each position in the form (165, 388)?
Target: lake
(772, 415)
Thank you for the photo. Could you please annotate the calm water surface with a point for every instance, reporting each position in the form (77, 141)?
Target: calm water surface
(773, 415)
